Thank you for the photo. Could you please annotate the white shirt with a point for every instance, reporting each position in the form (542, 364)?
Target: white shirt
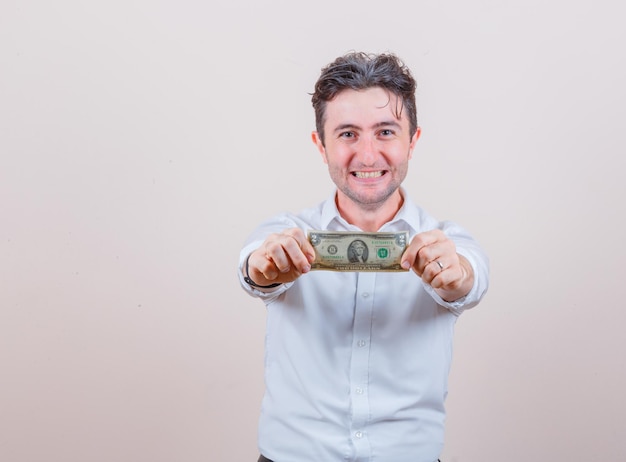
(356, 363)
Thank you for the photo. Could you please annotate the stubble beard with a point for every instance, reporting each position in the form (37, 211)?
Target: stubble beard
(368, 202)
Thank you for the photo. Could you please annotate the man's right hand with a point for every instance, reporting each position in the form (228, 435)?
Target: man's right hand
(283, 257)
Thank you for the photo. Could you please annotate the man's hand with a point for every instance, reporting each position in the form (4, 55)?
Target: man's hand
(283, 257)
(433, 257)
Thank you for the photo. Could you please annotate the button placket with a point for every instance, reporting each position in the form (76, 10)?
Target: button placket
(359, 367)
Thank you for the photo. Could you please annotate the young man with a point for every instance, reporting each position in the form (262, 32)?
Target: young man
(357, 362)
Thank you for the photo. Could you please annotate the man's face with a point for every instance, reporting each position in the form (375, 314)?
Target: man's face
(366, 147)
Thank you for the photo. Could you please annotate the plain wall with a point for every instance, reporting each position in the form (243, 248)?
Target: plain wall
(141, 141)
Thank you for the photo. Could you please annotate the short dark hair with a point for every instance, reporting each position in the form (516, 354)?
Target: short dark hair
(360, 71)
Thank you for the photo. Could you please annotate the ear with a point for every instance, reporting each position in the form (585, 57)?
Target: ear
(317, 141)
(414, 139)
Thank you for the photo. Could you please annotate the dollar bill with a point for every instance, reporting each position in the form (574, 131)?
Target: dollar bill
(358, 251)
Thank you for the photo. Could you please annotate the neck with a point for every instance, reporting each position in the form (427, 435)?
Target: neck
(371, 217)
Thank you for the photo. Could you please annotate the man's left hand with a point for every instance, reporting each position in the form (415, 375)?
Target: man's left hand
(433, 257)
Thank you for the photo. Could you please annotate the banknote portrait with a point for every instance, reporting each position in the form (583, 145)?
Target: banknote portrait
(358, 251)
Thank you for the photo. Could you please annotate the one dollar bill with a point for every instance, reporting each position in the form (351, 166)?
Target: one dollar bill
(358, 251)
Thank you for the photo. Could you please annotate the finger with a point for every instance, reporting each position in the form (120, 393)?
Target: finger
(433, 271)
(408, 257)
(276, 253)
(260, 264)
(420, 251)
(299, 250)
(448, 274)
(303, 243)
(447, 279)
(285, 251)
(428, 238)
(426, 255)
(443, 251)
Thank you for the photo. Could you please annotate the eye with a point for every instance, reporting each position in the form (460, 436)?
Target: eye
(386, 132)
(347, 135)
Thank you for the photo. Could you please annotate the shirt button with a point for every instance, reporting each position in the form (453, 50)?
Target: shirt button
(366, 294)
(359, 390)
(359, 434)
(361, 343)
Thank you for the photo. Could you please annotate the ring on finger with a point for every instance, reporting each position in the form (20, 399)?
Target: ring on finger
(440, 265)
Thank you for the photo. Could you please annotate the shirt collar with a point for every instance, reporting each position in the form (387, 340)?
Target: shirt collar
(408, 217)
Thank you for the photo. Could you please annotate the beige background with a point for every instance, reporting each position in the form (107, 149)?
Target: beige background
(140, 142)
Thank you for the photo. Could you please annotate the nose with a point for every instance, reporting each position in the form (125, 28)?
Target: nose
(367, 151)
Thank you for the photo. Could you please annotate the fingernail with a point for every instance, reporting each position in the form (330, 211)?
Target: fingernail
(406, 265)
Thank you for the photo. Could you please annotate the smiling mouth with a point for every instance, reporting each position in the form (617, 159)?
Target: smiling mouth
(376, 174)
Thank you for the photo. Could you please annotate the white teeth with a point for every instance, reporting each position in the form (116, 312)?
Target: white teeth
(368, 174)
